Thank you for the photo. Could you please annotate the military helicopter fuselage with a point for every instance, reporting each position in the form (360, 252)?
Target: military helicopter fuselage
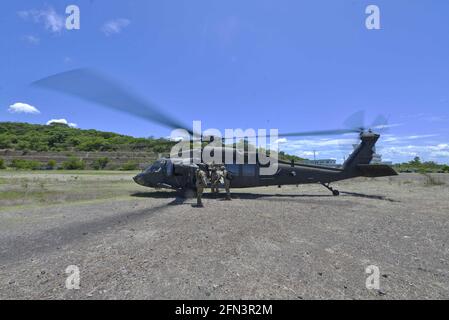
(179, 173)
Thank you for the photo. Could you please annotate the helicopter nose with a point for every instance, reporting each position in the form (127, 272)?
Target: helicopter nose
(139, 179)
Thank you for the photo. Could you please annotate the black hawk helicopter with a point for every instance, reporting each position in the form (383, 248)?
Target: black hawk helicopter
(179, 173)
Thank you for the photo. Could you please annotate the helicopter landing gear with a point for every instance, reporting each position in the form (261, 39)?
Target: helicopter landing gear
(186, 193)
(335, 192)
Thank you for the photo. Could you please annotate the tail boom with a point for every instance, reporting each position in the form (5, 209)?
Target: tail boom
(358, 163)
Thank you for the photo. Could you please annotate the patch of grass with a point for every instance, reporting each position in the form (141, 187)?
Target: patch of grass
(51, 164)
(73, 164)
(22, 164)
(432, 181)
(11, 195)
(130, 166)
(30, 188)
(77, 172)
(100, 163)
(20, 196)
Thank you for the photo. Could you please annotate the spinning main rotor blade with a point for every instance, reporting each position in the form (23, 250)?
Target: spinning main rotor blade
(380, 123)
(355, 124)
(92, 86)
(319, 133)
(303, 134)
(356, 121)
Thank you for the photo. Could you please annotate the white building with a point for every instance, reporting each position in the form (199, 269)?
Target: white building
(321, 162)
(377, 157)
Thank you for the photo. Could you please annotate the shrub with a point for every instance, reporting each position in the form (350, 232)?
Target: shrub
(2, 164)
(445, 168)
(130, 165)
(51, 164)
(73, 164)
(22, 164)
(100, 163)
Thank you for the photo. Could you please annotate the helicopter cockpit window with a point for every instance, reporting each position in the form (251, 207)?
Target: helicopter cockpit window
(157, 166)
(169, 168)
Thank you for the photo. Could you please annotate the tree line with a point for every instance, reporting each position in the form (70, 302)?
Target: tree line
(417, 165)
(60, 137)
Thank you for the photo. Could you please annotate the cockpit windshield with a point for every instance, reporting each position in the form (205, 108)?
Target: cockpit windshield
(156, 167)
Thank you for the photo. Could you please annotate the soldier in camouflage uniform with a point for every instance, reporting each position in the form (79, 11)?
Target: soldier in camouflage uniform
(201, 183)
(214, 178)
(227, 181)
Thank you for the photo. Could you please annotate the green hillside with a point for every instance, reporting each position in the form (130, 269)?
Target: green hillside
(62, 138)
(59, 137)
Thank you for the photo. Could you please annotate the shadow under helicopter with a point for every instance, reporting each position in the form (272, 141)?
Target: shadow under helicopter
(253, 196)
(17, 248)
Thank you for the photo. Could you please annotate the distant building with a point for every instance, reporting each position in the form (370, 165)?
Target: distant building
(377, 158)
(321, 162)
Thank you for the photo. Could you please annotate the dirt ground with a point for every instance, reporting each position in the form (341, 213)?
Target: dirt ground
(131, 242)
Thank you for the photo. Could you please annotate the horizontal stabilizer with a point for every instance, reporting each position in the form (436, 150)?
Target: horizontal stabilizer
(376, 170)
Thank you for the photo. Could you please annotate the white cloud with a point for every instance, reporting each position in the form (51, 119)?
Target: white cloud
(51, 20)
(427, 117)
(115, 26)
(430, 147)
(32, 39)
(426, 152)
(175, 139)
(437, 119)
(386, 126)
(281, 140)
(307, 143)
(323, 147)
(441, 154)
(20, 107)
(397, 140)
(62, 121)
(415, 137)
(307, 154)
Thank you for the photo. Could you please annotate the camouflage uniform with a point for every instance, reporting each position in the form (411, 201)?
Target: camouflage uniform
(214, 179)
(201, 183)
(227, 181)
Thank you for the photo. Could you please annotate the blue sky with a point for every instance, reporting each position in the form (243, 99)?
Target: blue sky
(292, 65)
